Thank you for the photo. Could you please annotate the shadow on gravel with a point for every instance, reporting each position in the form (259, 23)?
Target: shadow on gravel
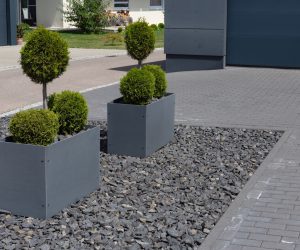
(103, 141)
(127, 68)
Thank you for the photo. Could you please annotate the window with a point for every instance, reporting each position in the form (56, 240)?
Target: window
(156, 4)
(27, 10)
(121, 4)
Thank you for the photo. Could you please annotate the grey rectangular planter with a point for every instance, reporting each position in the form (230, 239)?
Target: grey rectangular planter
(140, 130)
(40, 181)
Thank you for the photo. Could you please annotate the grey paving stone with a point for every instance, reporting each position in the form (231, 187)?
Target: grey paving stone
(247, 242)
(253, 230)
(255, 248)
(276, 215)
(264, 237)
(283, 233)
(278, 246)
(270, 225)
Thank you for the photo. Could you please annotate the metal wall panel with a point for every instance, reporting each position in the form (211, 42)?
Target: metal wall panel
(198, 42)
(195, 34)
(3, 23)
(264, 33)
(201, 14)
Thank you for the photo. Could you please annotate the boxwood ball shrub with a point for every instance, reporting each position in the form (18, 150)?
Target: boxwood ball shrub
(160, 80)
(44, 57)
(139, 40)
(38, 127)
(154, 27)
(137, 87)
(161, 26)
(72, 110)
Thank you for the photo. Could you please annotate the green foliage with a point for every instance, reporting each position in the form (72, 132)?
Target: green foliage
(38, 127)
(21, 29)
(113, 38)
(161, 26)
(120, 30)
(161, 83)
(72, 110)
(137, 87)
(87, 15)
(154, 27)
(139, 40)
(45, 56)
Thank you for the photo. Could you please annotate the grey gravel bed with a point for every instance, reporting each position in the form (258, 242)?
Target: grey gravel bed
(170, 200)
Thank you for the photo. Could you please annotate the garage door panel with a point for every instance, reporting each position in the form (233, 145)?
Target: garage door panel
(263, 33)
(247, 52)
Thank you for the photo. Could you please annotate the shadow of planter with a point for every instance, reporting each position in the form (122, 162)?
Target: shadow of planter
(40, 181)
(140, 130)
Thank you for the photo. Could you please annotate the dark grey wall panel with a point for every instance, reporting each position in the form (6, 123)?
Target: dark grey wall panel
(177, 63)
(3, 23)
(264, 33)
(195, 30)
(11, 22)
(197, 42)
(8, 22)
(205, 14)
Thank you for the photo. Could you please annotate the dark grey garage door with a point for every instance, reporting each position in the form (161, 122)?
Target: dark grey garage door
(263, 33)
(3, 24)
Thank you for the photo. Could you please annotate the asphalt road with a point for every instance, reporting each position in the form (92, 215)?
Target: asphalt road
(17, 90)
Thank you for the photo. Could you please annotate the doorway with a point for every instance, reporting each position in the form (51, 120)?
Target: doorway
(27, 13)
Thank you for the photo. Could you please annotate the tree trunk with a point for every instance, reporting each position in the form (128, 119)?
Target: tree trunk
(45, 96)
(140, 64)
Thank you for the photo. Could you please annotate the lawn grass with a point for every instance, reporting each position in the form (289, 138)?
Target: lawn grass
(76, 39)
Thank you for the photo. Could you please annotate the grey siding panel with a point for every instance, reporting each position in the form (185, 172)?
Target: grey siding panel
(3, 23)
(12, 22)
(195, 31)
(264, 33)
(208, 14)
(199, 42)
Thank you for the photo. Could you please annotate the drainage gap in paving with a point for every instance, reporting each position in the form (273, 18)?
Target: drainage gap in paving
(173, 198)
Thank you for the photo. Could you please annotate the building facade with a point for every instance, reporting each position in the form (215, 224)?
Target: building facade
(210, 34)
(49, 13)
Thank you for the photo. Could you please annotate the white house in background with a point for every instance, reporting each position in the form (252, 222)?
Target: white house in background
(49, 13)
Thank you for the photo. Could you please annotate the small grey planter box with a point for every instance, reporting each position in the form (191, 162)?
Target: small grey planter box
(40, 181)
(140, 130)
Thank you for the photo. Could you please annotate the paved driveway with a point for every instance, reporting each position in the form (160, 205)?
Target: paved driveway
(264, 98)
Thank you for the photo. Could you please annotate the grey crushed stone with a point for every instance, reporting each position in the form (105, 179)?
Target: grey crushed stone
(170, 200)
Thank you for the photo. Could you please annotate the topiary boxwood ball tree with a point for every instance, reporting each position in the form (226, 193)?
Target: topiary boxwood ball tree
(137, 87)
(139, 40)
(44, 58)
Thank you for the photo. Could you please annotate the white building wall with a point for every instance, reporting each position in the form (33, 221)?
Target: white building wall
(49, 13)
(141, 8)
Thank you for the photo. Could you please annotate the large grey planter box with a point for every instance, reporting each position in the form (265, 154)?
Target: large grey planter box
(40, 181)
(140, 130)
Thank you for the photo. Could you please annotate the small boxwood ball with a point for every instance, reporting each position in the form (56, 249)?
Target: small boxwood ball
(72, 110)
(137, 87)
(161, 83)
(45, 56)
(37, 127)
